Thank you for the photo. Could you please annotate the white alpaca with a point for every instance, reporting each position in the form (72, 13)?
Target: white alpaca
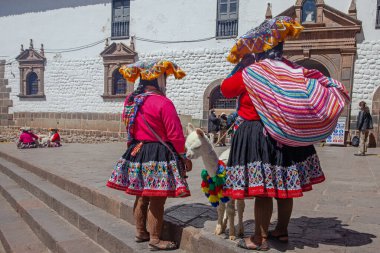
(198, 145)
(44, 140)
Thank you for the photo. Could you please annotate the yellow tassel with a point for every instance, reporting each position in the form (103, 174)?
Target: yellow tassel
(213, 199)
(205, 190)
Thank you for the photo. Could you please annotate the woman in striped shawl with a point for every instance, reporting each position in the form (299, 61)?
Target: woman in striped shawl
(261, 167)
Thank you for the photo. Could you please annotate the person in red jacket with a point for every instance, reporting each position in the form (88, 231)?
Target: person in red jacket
(55, 138)
(260, 167)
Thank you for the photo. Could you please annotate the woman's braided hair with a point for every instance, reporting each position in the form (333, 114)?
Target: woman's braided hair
(141, 88)
(274, 53)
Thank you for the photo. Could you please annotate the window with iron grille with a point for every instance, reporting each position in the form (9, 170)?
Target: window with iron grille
(32, 84)
(120, 19)
(378, 15)
(218, 101)
(119, 84)
(227, 19)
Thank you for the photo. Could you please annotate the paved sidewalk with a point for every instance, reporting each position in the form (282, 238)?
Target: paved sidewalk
(339, 215)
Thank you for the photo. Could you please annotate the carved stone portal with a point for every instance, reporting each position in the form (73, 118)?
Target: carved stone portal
(114, 56)
(330, 42)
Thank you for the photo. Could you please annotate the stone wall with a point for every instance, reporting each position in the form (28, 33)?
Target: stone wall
(76, 86)
(99, 125)
(6, 119)
(11, 134)
(366, 82)
(367, 74)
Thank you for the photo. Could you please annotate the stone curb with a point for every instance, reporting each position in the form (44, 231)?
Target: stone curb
(13, 228)
(57, 234)
(108, 231)
(190, 239)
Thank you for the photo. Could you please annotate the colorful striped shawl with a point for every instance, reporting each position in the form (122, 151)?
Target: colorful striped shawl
(130, 113)
(298, 106)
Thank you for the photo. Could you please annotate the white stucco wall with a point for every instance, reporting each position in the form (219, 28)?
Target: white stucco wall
(67, 24)
(367, 74)
(74, 81)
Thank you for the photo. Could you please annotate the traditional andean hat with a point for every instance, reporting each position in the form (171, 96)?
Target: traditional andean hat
(265, 37)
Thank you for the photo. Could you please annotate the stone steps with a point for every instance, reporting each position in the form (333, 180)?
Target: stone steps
(98, 228)
(189, 238)
(55, 232)
(15, 235)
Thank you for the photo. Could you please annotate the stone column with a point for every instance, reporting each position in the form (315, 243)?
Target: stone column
(40, 82)
(347, 77)
(6, 119)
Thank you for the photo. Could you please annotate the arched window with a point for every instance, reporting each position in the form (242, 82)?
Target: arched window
(218, 101)
(119, 83)
(309, 11)
(32, 84)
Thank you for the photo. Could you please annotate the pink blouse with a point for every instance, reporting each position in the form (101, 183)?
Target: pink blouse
(162, 116)
(26, 137)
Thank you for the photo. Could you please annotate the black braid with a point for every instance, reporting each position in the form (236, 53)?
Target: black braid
(141, 88)
(274, 53)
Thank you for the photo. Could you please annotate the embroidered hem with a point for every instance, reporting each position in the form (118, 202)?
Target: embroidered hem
(178, 193)
(260, 191)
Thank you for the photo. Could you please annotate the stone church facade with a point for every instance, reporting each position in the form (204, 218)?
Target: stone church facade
(77, 87)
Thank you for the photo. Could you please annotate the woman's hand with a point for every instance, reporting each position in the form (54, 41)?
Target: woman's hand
(188, 165)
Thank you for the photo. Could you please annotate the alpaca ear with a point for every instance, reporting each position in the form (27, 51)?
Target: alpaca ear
(200, 132)
(190, 128)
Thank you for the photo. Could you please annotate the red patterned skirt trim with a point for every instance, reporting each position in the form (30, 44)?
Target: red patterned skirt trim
(260, 191)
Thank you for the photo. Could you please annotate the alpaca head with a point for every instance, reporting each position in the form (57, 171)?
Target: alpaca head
(196, 142)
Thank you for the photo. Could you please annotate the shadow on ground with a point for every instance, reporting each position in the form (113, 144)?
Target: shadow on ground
(191, 214)
(311, 232)
(303, 231)
(180, 216)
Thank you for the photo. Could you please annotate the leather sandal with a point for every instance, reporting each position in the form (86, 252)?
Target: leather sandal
(263, 247)
(164, 247)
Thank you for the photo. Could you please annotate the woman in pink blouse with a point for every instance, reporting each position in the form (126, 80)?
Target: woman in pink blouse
(27, 139)
(154, 166)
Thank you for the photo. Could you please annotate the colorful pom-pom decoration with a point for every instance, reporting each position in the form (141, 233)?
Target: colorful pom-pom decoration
(212, 187)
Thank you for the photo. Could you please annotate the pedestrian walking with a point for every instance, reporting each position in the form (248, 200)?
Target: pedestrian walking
(363, 125)
(154, 165)
(213, 126)
(223, 129)
(260, 164)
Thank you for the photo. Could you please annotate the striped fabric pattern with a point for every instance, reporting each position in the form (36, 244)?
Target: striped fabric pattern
(298, 106)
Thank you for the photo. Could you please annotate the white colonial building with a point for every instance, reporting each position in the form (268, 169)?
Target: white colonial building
(72, 79)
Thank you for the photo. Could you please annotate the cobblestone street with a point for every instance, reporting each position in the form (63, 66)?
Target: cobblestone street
(340, 215)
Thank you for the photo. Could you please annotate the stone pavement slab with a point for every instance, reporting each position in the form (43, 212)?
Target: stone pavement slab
(340, 215)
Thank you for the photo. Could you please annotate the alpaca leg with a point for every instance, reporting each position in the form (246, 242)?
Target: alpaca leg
(225, 219)
(240, 205)
(231, 218)
(220, 227)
